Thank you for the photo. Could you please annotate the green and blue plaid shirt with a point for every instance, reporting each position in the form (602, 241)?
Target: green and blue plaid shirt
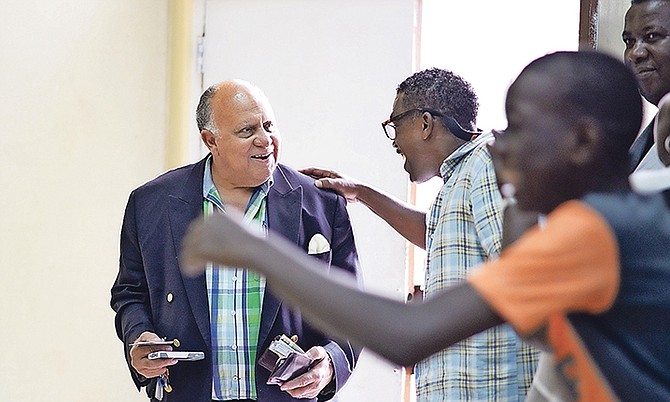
(235, 299)
(464, 229)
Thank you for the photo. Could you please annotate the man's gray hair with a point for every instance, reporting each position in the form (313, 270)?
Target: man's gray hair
(203, 113)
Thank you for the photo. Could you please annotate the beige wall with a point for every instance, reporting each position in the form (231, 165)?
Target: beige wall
(82, 122)
(610, 26)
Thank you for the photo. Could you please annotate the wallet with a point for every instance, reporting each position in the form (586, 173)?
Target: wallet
(285, 360)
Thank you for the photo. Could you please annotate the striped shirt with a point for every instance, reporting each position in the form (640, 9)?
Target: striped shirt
(235, 299)
(464, 229)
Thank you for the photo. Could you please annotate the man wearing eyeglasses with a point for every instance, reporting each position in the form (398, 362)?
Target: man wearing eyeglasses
(432, 126)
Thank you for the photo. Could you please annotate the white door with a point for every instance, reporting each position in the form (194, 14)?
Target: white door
(330, 69)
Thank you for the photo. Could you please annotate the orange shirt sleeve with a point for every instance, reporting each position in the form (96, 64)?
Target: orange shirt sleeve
(570, 265)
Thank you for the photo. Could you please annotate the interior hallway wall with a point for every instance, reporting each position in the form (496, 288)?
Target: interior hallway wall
(330, 69)
(610, 25)
(82, 122)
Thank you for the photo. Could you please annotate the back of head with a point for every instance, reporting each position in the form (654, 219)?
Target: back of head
(598, 87)
(443, 91)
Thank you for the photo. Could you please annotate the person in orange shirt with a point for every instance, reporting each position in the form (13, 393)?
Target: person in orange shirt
(590, 286)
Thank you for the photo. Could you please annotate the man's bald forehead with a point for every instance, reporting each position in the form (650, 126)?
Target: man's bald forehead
(239, 88)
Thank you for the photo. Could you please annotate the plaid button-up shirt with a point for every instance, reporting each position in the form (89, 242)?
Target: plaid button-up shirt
(464, 229)
(235, 300)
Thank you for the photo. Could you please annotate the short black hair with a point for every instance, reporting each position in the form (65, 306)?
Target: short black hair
(600, 87)
(442, 90)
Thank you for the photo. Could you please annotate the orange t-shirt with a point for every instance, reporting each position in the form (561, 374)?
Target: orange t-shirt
(570, 265)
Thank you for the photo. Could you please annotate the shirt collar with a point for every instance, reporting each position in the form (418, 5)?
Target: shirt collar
(208, 181)
(650, 181)
(450, 163)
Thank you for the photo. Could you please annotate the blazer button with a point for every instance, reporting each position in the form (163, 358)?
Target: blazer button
(176, 342)
(170, 297)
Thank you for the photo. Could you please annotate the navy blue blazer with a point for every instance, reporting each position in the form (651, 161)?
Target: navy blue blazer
(150, 294)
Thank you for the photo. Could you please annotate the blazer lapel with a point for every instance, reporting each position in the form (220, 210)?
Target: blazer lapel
(185, 206)
(284, 217)
(641, 146)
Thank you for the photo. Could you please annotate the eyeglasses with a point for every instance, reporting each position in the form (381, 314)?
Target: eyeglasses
(389, 126)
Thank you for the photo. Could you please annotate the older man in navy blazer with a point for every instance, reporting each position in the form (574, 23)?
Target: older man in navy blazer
(229, 313)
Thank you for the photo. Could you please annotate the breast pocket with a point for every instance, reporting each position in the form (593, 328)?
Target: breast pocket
(326, 257)
(319, 248)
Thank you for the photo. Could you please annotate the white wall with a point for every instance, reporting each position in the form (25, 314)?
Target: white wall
(508, 36)
(82, 122)
(610, 25)
(330, 70)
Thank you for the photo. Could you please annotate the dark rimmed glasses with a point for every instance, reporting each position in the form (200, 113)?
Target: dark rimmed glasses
(389, 126)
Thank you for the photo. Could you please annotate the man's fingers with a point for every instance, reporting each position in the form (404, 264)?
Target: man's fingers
(324, 183)
(312, 382)
(314, 172)
(304, 386)
(154, 368)
(318, 173)
(139, 356)
(316, 353)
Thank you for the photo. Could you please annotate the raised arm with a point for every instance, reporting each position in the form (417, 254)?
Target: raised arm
(402, 333)
(405, 218)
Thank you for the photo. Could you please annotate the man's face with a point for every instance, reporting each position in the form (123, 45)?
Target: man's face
(409, 142)
(246, 149)
(647, 37)
(532, 151)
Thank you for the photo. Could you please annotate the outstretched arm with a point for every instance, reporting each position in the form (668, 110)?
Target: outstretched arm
(405, 218)
(402, 333)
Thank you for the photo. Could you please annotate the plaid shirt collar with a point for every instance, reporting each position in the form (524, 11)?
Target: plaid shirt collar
(449, 165)
(210, 191)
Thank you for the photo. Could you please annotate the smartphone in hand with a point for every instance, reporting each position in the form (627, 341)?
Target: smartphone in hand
(179, 355)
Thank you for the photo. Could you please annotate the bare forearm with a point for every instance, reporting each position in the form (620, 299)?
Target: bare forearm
(405, 218)
(330, 298)
(403, 334)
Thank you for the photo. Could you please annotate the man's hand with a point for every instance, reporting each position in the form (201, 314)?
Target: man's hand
(330, 179)
(140, 362)
(312, 382)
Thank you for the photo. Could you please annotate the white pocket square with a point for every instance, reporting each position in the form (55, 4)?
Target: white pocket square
(318, 244)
